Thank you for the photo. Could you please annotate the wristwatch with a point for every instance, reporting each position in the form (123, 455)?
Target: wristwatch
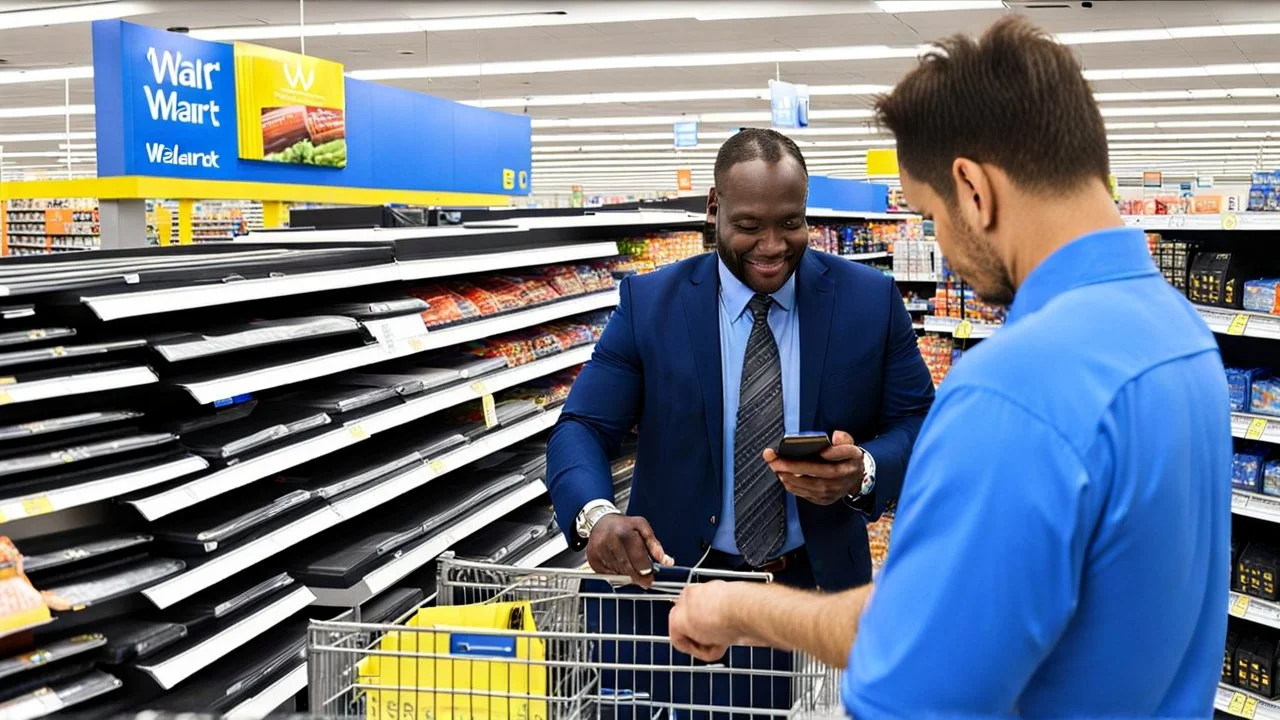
(868, 477)
(590, 514)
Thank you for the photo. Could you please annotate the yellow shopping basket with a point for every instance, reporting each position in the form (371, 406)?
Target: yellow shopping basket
(443, 672)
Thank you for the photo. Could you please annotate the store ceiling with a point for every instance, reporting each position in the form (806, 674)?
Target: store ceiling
(626, 146)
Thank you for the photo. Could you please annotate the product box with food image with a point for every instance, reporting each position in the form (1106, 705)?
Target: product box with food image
(292, 108)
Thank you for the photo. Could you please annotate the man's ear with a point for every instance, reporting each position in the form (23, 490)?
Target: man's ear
(974, 194)
(713, 205)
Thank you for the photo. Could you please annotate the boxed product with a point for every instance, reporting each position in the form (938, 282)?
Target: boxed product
(1239, 385)
(1256, 664)
(1228, 659)
(1261, 296)
(1256, 570)
(1271, 478)
(1246, 469)
(1218, 279)
(1264, 396)
(1235, 558)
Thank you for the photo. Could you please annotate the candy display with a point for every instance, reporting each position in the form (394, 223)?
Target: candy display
(861, 238)
(1246, 469)
(653, 251)
(1173, 257)
(1261, 296)
(938, 353)
(1264, 192)
(1255, 663)
(1264, 396)
(525, 346)
(480, 296)
(1217, 278)
(1271, 478)
(1240, 385)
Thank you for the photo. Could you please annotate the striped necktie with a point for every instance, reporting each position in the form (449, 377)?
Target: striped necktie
(759, 500)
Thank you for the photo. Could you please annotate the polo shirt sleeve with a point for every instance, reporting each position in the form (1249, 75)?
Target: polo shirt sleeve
(984, 565)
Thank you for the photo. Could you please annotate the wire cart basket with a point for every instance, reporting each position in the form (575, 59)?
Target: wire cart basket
(506, 643)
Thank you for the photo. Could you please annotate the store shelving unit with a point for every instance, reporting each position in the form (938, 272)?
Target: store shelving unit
(1241, 703)
(188, 482)
(958, 328)
(1224, 221)
(41, 227)
(1263, 612)
(1244, 323)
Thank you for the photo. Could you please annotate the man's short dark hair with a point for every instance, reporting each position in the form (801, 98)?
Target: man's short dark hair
(756, 144)
(1015, 98)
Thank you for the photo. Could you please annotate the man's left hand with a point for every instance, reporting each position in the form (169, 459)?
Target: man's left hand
(701, 623)
(822, 482)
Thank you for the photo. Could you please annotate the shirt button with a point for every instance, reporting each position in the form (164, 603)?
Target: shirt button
(713, 519)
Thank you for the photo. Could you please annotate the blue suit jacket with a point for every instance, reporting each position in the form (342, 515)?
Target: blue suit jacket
(657, 367)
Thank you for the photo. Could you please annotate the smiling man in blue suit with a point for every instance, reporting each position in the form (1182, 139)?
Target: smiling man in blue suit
(713, 360)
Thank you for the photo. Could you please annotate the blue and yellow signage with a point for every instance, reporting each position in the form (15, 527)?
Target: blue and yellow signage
(292, 108)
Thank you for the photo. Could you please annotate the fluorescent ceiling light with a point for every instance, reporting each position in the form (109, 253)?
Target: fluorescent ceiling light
(1092, 37)
(45, 111)
(661, 96)
(898, 7)
(1190, 110)
(1269, 68)
(761, 116)
(1204, 94)
(77, 146)
(13, 77)
(72, 13)
(76, 157)
(45, 137)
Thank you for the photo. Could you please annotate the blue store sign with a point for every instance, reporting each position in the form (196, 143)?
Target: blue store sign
(686, 134)
(789, 104)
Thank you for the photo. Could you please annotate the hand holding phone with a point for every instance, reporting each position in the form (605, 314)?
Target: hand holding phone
(816, 468)
(808, 445)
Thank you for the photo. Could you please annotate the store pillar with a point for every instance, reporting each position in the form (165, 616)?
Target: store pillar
(122, 224)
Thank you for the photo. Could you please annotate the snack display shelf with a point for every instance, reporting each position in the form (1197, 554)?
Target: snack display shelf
(1263, 612)
(859, 257)
(1224, 221)
(442, 267)
(174, 670)
(544, 552)
(80, 384)
(1250, 504)
(241, 474)
(185, 584)
(384, 577)
(1242, 703)
(963, 329)
(477, 329)
(1248, 426)
(857, 214)
(43, 503)
(271, 697)
(1226, 321)
(48, 700)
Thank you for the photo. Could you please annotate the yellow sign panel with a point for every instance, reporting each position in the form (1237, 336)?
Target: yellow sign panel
(882, 161)
(292, 108)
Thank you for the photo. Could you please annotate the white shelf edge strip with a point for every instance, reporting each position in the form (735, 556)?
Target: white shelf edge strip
(278, 693)
(237, 476)
(180, 667)
(1255, 506)
(1251, 426)
(1225, 221)
(948, 325)
(858, 214)
(393, 348)
(856, 257)
(379, 579)
(1242, 703)
(186, 584)
(442, 267)
(105, 489)
(1228, 321)
(150, 302)
(77, 384)
(1253, 609)
(547, 550)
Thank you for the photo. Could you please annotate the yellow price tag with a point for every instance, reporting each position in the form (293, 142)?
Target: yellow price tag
(1257, 427)
(40, 505)
(357, 432)
(1230, 222)
(59, 351)
(5, 397)
(1240, 606)
(1236, 706)
(1250, 707)
(415, 344)
(478, 387)
(437, 466)
(964, 330)
(1238, 324)
(8, 380)
(490, 412)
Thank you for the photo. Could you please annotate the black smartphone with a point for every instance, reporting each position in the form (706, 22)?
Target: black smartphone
(805, 445)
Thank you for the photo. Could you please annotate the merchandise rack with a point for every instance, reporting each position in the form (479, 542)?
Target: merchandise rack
(187, 480)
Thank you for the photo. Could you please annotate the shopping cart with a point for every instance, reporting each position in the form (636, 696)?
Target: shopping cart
(571, 645)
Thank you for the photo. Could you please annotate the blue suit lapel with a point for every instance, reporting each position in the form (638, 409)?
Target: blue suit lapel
(701, 297)
(815, 299)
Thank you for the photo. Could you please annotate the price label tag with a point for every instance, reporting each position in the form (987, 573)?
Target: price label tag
(1250, 707)
(1177, 221)
(1257, 427)
(1239, 322)
(1236, 706)
(964, 330)
(416, 344)
(5, 397)
(437, 466)
(478, 387)
(1238, 500)
(490, 412)
(357, 432)
(1230, 222)
(1240, 606)
(40, 505)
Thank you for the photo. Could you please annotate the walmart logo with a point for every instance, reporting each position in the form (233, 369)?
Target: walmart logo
(294, 75)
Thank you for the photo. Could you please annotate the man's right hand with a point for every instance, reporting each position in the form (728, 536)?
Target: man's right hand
(624, 545)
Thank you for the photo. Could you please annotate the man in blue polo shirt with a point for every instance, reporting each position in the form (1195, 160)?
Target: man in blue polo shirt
(1061, 545)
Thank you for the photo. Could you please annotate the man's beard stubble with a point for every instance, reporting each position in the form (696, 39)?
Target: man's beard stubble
(981, 267)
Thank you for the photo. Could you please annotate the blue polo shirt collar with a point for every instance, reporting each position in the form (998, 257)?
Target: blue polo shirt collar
(1101, 256)
(735, 294)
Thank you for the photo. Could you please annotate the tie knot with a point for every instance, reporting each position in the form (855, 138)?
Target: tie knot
(759, 306)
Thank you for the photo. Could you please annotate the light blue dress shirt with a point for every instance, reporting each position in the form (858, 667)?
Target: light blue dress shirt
(735, 328)
(1061, 546)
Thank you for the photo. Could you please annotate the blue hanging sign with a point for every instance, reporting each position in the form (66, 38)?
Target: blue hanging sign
(789, 104)
(686, 134)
